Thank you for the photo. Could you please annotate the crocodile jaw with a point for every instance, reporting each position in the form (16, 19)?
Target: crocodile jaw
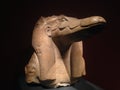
(82, 24)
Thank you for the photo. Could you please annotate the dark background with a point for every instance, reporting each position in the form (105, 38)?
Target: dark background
(101, 52)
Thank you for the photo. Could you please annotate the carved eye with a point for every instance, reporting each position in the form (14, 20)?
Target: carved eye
(64, 19)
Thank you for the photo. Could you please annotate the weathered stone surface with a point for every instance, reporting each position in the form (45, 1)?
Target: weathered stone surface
(58, 52)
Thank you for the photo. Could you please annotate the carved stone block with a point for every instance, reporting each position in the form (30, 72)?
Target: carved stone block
(57, 59)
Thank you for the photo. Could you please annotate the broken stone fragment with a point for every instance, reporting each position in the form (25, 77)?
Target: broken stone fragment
(57, 59)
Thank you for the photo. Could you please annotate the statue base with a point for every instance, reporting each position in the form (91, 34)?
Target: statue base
(82, 84)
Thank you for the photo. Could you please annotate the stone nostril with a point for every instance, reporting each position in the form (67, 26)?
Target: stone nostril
(99, 19)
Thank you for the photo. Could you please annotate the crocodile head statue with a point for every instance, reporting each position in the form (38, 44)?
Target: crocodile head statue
(57, 43)
(63, 25)
(64, 29)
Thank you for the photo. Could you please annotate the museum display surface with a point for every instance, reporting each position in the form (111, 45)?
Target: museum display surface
(57, 61)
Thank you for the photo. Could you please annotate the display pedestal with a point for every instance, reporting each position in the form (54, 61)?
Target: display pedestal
(82, 84)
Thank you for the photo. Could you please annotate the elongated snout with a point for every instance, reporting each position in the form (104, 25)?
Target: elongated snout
(73, 25)
(92, 21)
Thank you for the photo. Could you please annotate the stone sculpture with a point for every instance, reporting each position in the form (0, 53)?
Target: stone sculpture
(58, 51)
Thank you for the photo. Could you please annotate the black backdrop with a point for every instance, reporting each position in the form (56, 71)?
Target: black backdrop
(101, 52)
